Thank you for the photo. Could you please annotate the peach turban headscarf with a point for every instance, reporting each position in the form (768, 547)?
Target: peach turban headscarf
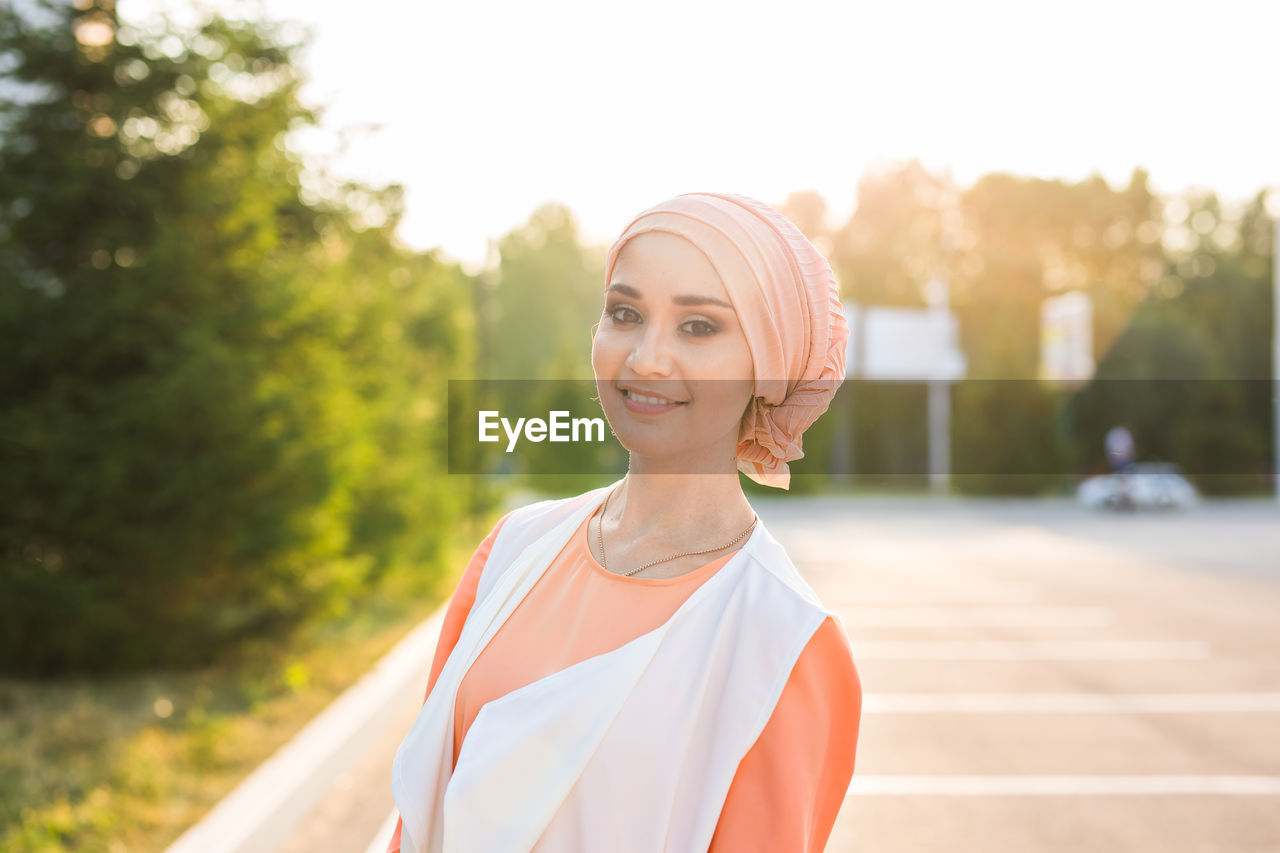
(788, 305)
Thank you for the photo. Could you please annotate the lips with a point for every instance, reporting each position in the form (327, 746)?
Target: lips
(648, 398)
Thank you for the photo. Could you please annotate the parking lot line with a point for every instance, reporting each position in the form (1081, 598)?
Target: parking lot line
(1007, 616)
(1030, 650)
(1070, 703)
(1063, 785)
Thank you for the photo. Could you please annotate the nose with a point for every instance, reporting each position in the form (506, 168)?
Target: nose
(651, 354)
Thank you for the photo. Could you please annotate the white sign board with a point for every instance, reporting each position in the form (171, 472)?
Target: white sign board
(903, 343)
(1066, 337)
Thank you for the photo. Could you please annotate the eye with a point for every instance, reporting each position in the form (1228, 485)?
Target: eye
(701, 328)
(622, 314)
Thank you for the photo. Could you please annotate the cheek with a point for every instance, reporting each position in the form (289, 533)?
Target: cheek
(738, 381)
(732, 363)
(605, 350)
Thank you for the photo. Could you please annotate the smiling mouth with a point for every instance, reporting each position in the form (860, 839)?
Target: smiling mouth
(648, 399)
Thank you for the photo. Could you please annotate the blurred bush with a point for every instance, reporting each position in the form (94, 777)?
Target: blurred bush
(1008, 439)
(221, 378)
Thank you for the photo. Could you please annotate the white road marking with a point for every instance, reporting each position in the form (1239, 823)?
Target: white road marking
(1070, 703)
(941, 591)
(971, 617)
(383, 835)
(1001, 786)
(1029, 650)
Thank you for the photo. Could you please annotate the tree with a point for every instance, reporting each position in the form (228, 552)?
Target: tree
(893, 243)
(1190, 371)
(1027, 239)
(200, 337)
(548, 295)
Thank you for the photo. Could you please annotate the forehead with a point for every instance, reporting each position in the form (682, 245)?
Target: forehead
(660, 260)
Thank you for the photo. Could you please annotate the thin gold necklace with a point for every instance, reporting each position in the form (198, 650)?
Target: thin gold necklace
(604, 562)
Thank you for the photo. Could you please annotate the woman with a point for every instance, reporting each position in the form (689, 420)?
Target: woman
(640, 667)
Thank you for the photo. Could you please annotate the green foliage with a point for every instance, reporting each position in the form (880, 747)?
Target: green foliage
(129, 761)
(547, 297)
(545, 300)
(1196, 308)
(1188, 375)
(1026, 239)
(221, 376)
(890, 427)
(892, 244)
(1009, 442)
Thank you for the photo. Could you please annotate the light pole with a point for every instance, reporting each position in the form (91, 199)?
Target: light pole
(938, 296)
(1275, 358)
(842, 447)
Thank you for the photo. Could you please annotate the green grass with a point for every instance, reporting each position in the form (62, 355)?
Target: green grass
(127, 763)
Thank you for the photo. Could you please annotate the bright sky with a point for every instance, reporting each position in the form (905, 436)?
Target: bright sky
(487, 109)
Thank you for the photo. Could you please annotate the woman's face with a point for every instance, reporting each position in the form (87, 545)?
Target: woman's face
(671, 362)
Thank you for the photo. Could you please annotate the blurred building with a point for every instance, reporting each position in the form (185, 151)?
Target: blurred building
(1066, 338)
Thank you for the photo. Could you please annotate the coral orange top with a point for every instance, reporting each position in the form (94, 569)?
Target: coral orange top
(789, 786)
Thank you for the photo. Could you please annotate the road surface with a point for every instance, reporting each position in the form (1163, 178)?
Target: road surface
(1036, 677)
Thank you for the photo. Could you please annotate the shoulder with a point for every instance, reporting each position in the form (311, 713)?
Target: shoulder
(772, 566)
(781, 609)
(830, 653)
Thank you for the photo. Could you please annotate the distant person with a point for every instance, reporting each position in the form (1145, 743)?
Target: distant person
(599, 685)
(1119, 445)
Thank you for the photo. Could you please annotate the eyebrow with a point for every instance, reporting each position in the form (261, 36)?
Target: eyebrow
(686, 300)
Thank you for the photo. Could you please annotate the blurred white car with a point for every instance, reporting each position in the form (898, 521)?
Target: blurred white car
(1146, 485)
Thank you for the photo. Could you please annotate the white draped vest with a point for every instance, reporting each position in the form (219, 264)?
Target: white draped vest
(630, 750)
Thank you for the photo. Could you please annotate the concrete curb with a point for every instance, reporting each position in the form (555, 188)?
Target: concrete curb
(264, 809)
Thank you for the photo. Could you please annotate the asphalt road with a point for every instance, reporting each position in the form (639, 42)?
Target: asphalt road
(1042, 678)
(1036, 677)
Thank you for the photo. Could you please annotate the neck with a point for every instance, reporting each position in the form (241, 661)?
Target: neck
(678, 509)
